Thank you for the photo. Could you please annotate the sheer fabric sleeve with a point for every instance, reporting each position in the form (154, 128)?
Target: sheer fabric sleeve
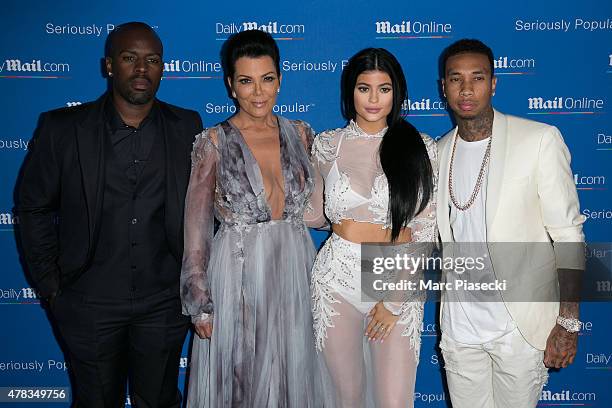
(314, 215)
(306, 134)
(423, 226)
(199, 228)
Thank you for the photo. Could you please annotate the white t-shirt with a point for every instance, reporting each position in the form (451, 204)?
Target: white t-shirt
(467, 321)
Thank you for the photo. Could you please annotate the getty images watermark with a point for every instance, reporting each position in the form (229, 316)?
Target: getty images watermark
(487, 272)
(412, 264)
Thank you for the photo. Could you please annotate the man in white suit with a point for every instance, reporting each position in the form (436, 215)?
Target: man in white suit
(505, 179)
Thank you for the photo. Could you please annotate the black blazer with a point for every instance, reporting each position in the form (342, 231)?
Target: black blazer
(59, 202)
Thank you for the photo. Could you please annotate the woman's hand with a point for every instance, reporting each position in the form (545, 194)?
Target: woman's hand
(204, 327)
(381, 323)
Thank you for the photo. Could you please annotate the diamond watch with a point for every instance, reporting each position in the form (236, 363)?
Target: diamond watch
(570, 324)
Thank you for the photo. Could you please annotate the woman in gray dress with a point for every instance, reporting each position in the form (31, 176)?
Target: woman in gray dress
(246, 287)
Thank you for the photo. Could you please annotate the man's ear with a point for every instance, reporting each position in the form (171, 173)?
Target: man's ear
(108, 61)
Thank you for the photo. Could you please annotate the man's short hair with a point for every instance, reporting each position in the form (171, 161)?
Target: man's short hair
(463, 46)
(109, 47)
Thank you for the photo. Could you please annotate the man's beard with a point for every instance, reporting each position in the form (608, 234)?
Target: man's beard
(137, 98)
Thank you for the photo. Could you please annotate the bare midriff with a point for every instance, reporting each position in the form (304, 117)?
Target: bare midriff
(359, 232)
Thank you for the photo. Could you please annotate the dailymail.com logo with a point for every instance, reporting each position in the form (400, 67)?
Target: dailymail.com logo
(18, 65)
(18, 296)
(8, 218)
(279, 30)
(566, 396)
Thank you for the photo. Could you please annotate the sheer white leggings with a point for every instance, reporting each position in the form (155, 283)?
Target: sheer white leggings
(364, 374)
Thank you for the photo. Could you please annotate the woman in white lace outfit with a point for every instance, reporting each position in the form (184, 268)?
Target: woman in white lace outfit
(246, 287)
(375, 182)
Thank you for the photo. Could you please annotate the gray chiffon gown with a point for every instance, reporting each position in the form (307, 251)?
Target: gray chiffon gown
(251, 277)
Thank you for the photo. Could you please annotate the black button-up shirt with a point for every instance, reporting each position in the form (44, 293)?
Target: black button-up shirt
(132, 258)
(132, 145)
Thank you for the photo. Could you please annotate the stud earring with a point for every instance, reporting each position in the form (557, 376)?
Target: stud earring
(110, 74)
(278, 91)
(234, 95)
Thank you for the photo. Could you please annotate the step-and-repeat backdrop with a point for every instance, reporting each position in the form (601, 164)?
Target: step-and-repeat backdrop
(553, 60)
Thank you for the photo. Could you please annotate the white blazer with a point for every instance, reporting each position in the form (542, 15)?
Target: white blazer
(531, 197)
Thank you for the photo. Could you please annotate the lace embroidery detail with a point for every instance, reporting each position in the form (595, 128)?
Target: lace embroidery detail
(358, 193)
(348, 263)
(423, 227)
(336, 203)
(323, 147)
(411, 315)
(379, 203)
(353, 131)
(334, 269)
(333, 272)
(322, 298)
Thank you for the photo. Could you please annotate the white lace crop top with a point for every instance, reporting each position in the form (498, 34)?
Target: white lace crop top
(350, 182)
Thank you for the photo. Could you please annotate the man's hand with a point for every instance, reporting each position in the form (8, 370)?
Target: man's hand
(560, 348)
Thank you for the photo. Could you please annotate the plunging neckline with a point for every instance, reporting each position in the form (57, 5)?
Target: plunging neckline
(259, 173)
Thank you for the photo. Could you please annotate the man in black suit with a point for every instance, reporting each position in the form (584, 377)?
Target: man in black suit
(101, 211)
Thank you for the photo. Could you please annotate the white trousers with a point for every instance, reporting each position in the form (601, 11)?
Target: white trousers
(504, 373)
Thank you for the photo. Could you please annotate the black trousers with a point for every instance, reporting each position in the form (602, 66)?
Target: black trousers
(112, 342)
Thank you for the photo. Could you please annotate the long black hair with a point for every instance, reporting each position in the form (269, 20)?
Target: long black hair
(403, 155)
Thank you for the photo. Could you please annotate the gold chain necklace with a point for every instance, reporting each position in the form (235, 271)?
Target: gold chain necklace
(479, 180)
